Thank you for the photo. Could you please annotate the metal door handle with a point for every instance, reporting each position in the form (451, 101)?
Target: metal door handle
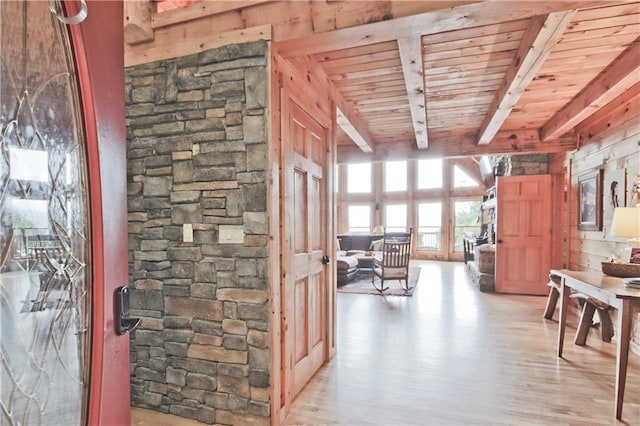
(124, 324)
(325, 260)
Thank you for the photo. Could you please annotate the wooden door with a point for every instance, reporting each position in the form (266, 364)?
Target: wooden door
(305, 276)
(523, 234)
(62, 159)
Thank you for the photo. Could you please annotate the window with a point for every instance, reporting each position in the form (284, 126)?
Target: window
(359, 178)
(396, 218)
(429, 174)
(466, 219)
(429, 226)
(359, 219)
(461, 179)
(395, 176)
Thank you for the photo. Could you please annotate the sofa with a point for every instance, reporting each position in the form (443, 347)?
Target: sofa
(347, 268)
(349, 246)
(357, 242)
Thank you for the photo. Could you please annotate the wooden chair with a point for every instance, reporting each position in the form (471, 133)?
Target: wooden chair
(393, 262)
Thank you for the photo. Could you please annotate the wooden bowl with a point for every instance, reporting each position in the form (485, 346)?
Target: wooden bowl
(622, 270)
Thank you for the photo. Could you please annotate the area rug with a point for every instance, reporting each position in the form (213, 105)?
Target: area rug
(361, 284)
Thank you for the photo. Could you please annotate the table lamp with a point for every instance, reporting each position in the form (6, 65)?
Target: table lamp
(626, 224)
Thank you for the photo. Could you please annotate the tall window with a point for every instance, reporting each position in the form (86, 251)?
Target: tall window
(396, 218)
(395, 176)
(359, 178)
(466, 219)
(429, 226)
(429, 174)
(359, 219)
(461, 179)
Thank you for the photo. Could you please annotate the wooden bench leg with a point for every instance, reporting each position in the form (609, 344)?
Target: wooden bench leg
(606, 327)
(551, 303)
(586, 319)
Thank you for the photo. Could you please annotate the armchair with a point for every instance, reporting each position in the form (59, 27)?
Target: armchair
(393, 262)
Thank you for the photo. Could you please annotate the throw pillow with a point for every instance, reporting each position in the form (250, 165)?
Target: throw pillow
(376, 245)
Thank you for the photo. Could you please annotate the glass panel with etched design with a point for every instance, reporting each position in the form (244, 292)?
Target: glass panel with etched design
(45, 295)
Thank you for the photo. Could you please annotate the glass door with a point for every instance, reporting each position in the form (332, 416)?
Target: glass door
(45, 238)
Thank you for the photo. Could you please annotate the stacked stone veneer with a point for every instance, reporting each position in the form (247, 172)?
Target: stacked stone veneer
(197, 154)
(527, 164)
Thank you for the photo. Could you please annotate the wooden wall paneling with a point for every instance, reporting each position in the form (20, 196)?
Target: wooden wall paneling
(198, 10)
(309, 86)
(167, 44)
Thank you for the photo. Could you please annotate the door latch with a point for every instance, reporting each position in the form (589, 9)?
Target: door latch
(124, 324)
(325, 260)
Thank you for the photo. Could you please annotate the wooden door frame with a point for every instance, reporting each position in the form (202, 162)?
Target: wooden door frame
(98, 49)
(302, 86)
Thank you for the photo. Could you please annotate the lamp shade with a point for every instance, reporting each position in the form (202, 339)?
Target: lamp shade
(626, 222)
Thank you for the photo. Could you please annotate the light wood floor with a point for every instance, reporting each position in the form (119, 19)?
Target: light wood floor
(453, 355)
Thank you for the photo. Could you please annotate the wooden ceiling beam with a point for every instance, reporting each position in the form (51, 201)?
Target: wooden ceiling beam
(455, 18)
(355, 129)
(541, 36)
(137, 22)
(411, 58)
(470, 167)
(179, 47)
(505, 142)
(599, 122)
(619, 76)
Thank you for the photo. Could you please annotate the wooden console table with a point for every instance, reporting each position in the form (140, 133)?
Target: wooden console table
(610, 290)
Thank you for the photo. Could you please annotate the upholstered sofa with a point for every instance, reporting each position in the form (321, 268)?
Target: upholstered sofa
(354, 242)
(347, 268)
(348, 247)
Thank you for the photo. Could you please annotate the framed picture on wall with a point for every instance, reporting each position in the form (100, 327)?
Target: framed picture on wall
(590, 201)
(614, 191)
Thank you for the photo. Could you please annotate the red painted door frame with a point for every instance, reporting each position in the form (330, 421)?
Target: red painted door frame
(98, 44)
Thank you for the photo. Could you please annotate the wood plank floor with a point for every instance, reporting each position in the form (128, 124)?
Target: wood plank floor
(453, 355)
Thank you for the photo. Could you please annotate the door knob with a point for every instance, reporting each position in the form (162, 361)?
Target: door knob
(499, 241)
(325, 260)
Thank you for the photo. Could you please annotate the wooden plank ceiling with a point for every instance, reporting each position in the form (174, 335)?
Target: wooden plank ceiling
(460, 78)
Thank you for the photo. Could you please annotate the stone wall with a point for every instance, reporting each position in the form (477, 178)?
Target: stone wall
(528, 164)
(197, 156)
